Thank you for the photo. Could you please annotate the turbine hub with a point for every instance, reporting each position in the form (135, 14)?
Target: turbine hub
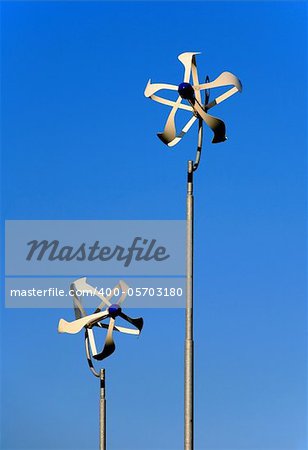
(186, 91)
(114, 310)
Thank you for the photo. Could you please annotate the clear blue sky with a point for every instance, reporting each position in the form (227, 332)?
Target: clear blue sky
(77, 130)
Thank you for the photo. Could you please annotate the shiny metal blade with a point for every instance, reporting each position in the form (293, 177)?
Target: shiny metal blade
(76, 325)
(151, 88)
(217, 126)
(186, 60)
(138, 323)
(169, 132)
(109, 346)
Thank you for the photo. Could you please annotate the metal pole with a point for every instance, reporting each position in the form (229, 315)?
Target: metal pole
(102, 412)
(189, 343)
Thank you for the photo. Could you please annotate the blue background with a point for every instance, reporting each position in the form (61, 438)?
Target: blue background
(79, 143)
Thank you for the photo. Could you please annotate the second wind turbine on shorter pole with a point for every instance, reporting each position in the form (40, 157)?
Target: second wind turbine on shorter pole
(88, 322)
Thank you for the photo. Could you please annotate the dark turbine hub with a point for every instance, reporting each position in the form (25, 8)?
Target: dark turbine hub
(186, 91)
(114, 310)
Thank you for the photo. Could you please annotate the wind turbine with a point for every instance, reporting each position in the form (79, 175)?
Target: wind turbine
(105, 311)
(190, 99)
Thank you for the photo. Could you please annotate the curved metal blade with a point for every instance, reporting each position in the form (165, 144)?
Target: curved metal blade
(186, 60)
(78, 308)
(169, 132)
(195, 77)
(76, 325)
(82, 285)
(217, 126)
(224, 79)
(109, 346)
(182, 133)
(92, 340)
(127, 330)
(138, 323)
(88, 353)
(167, 102)
(106, 300)
(124, 288)
(151, 88)
(118, 328)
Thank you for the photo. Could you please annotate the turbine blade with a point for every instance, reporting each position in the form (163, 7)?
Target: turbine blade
(195, 78)
(151, 88)
(224, 79)
(167, 102)
(78, 308)
(124, 287)
(186, 60)
(82, 285)
(217, 126)
(184, 130)
(76, 325)
(88, 353)
(118, 328)
(107, 299)
(169, 132)
(109, 346)
(91, 338)
(138, 323)
(126, 330)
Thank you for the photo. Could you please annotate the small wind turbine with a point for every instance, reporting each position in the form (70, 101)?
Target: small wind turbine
(106, 310)
(190, 93)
